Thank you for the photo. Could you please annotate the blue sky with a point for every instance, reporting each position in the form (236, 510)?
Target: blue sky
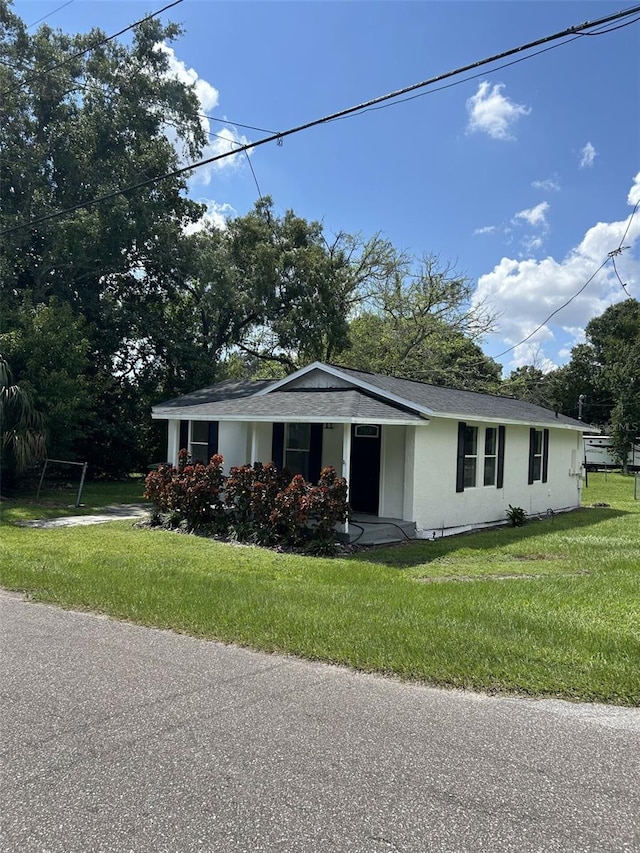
(524, 177)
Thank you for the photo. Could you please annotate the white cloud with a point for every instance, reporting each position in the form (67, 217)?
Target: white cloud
(531, 353)
(215, 215)
(526, 292)
(492, 113)
(223, 140)
(531, 245)
(206, 93)
(634, 193)
(548, 185)
(587, 156)
(487, 229)
(535, 216)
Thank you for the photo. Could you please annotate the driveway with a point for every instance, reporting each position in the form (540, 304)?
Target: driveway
(116, 737)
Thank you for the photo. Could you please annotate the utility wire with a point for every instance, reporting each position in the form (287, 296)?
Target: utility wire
(553, 313)
(626, 230)
(89, 49)
(492, 70)
(278, 137)
(611, 256)
(49, 14)
(236, 123)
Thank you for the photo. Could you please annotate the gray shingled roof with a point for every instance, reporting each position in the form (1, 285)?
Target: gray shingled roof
(235, 399)
(339, 405)
(230, 389)
(451, 401)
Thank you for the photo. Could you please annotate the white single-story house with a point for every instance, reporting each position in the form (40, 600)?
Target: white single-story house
(438, 459)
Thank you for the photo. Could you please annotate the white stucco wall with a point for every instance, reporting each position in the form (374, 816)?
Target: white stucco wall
(233, 443)
(438, 505)
(260, 435)
(332, 448)
(392, 463)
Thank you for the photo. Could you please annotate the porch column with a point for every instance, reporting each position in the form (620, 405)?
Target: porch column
(173, 440)
(346, 461)
(254, 445)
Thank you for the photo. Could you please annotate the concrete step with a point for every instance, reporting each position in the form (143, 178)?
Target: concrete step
(381, 531)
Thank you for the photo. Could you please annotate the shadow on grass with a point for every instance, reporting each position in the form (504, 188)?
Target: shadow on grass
(420, 551)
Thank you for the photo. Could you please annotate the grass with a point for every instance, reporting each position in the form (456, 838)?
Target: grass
(59, 502)
(550, 609)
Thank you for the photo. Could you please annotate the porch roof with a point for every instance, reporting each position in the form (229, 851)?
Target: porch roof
(339, 406)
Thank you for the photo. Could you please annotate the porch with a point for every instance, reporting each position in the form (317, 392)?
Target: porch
(367, 529)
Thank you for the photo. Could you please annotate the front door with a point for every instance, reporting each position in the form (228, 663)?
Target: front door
(364, 475)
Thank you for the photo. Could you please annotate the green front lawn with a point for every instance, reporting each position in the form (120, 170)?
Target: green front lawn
(59, 502)
(549, 609)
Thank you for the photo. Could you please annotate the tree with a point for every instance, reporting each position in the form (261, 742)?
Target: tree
(261, 297)
(615, 341)
(423, 327)
(48, 344)
(605, 371)
(76, 127)
(22, 436)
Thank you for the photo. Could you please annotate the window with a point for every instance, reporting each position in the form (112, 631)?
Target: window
(470, 456)
(492, 461)
(297, 447)
(538, 455)
(199, 444)
(490, 456)
(367, 431)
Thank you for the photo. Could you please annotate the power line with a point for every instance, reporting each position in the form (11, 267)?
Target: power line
(278, 137)
(236, 123)
(49, 14)
(626, 230)
(97, 44)
(493, 70)
(553, 313)
(611, 256)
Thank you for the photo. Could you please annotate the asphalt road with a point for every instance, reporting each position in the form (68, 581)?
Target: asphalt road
(120, 738)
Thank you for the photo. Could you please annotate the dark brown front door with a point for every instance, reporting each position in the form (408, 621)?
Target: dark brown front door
(364, 476)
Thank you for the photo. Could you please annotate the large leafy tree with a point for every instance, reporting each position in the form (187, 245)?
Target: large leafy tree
(262, 296)
(614, 339)
(79, 122)
(48, 346)
(22, 432)
(421, 325)
(601, 382)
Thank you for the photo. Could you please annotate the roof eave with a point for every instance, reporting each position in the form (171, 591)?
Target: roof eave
(300, 419)
(491, 419)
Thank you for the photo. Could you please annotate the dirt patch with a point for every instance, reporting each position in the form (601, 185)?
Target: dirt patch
(509, 577)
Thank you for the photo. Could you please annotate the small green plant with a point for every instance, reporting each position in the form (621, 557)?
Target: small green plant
(517, 516)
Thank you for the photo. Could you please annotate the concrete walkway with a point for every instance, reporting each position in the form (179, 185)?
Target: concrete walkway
(116, 737)
(117, 512)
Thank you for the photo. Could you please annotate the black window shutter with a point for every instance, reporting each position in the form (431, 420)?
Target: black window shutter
(315, 453)
(500, 477)
(532, 450)
(213, 439)
(277, 445)
(184, 435)
(460, 460)
(545, 455)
